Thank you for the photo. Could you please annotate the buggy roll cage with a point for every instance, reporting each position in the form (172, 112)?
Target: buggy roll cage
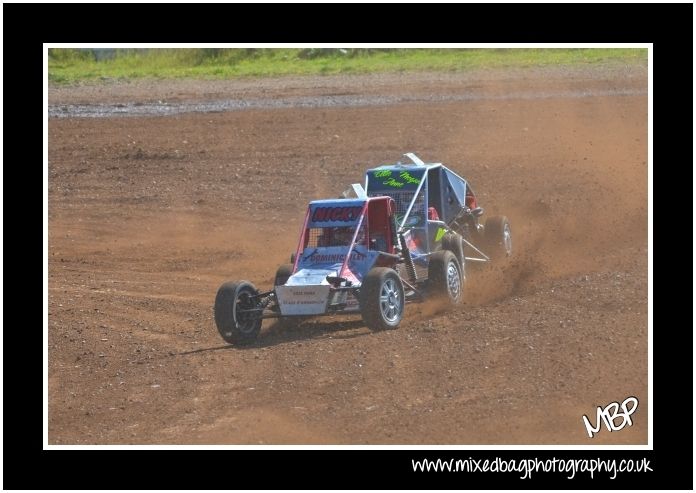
(447, 174)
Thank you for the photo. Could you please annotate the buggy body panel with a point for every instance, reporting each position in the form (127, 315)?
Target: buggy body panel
(431, 201)
(442, 188)
(341, 240)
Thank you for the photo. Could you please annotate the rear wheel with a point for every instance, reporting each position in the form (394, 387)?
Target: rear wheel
(455, 244)
(498, 237)
(445, 276)
(234, 324)
(382, 299)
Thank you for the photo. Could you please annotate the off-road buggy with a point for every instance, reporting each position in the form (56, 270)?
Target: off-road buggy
(450, 200)
(403, 238)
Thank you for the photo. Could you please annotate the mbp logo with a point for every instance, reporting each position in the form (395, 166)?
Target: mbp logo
(610, 414)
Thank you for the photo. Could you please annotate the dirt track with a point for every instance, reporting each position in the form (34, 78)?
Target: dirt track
(149, 215)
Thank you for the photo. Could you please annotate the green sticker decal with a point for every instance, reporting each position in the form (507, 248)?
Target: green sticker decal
(385, 179)
(440, 233)
(391, 182)
(406, 176)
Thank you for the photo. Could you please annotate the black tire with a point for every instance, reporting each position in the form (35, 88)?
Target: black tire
(283, 274)
(498, 235)
(455, 244)
(445, 276)
(236, 328)
(382, 299)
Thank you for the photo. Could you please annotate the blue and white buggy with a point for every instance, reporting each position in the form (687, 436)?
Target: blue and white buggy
(407, 235)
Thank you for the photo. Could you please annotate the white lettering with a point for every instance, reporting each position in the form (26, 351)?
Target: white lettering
(609, 415)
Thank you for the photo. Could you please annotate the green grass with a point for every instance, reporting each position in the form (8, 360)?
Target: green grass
(67, 66)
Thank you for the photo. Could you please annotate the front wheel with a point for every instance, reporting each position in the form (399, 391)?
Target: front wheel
(235, 324)
(382, 299)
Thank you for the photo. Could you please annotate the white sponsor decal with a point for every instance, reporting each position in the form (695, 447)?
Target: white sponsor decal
(302, 300)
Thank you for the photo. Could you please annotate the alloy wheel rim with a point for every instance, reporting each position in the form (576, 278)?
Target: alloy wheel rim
(390, 301)
(507, 239)
(453, 281)
(244, 322)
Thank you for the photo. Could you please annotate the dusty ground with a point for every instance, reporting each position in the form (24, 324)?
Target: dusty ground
(149, 215)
